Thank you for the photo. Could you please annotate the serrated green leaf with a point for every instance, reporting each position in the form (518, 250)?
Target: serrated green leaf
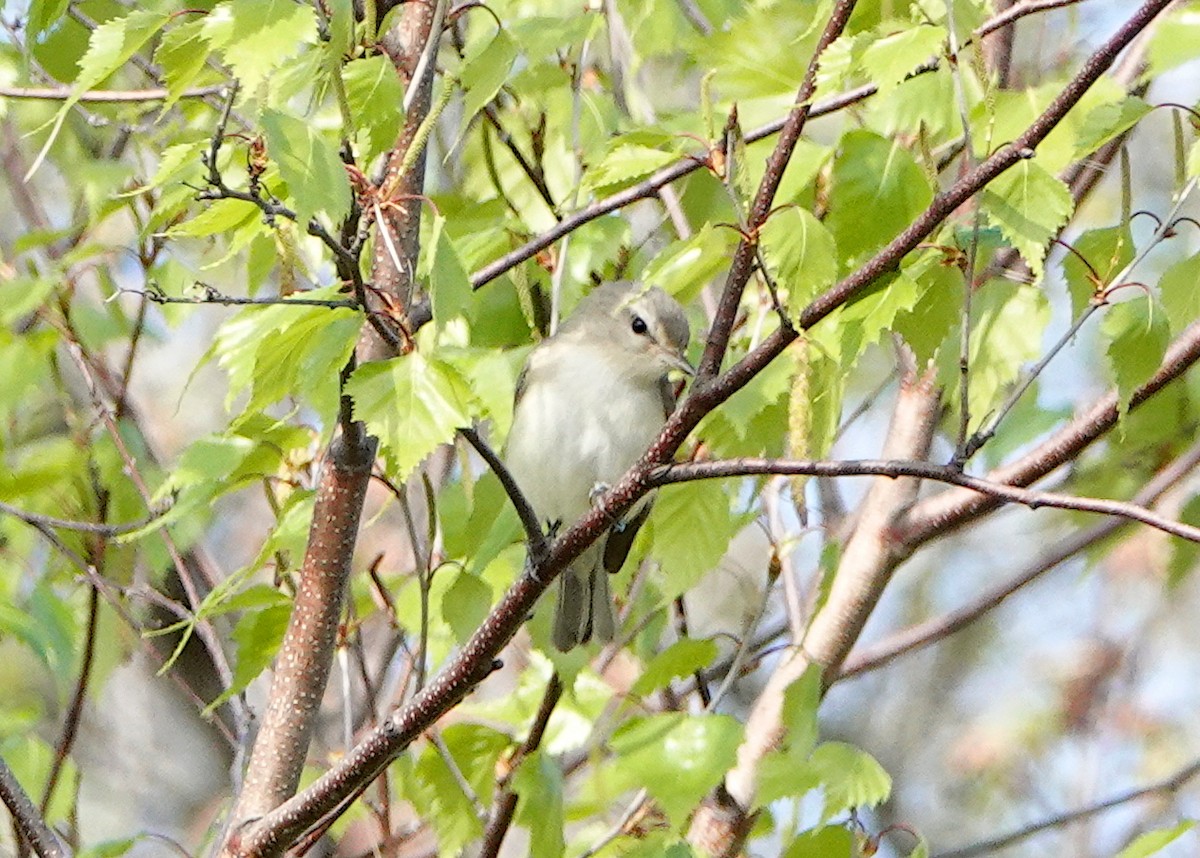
(888, 61)
(539, 783)
(412, 404)
(310, 165)
(256, 639)
(449, 283)
(684, 267)
(465, 604)
(874, 175)
(1105, 122)
(849, 778)
(111, 44)
(801, 254)
(181, 54)
(436, 793)
(1029, 206)
(178, 160)
(484, 72)
(678, 757)
(681, 658)
(1179, 287)
(782, 772)
(220, 217)
(255, 37)
(1153, 842)
(1107, 252)
(375, 95)
(288, 350)
(623, 166)
(691, 526)
(1137, 336)
(1007, 333)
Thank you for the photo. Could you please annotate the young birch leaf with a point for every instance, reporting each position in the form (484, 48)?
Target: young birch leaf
(484, 72)
(1106, 122)
(849, 778)
(623, 166)
(182, 54)
(1107, 251)
(1137, 337)
(110, 47)
(375, 94)
(1180, 295)
(465, 604)
(310, 165)
(258, 36)
(539, 783)
(1008, 327)
(888, 61)
(691, 527)
(681, 658)
(449, 283)
(801, 254)
(678, 757)
(1028, 205)
(412, 404)
(877, 188)
(287, 350)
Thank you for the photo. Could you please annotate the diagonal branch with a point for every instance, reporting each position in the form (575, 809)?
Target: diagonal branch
(33, 827)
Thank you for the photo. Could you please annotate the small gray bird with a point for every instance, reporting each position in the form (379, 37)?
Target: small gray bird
(590, 400)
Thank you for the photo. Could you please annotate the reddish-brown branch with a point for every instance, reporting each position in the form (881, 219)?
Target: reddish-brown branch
(306, 652)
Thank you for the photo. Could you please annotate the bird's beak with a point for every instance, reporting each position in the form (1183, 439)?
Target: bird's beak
(676, 360)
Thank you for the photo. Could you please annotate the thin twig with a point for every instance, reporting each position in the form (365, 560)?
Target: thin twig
(102, 96)
(689, 471)
(80, 526)
(529, 520)
(1168, 786)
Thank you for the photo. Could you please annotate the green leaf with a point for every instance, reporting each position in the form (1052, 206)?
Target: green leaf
(484, 72)
(539, 783)
(691, 526)
(465, 603)
(1184, 553)
(310, 165)
(281, 350)
(624, 165)
(182, 54)
(830, 841)
(1137, 337)
(412, 404)
(682, 658)
(110, 46)
(1029, 206)
(782, 771)
(375, 95)
(849, 777)
(43, 15)
(1178, 287)
(218, 218)
(449, 283)
(678, 757)
(1153, 842)
(1106, 122)
(256, 639)
(438, 796)
(801, 255)
(888, 61)
(255, 37)
(1107, 252)
(874, 175)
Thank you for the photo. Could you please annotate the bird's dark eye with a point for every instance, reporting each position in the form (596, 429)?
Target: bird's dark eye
(639, 325)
